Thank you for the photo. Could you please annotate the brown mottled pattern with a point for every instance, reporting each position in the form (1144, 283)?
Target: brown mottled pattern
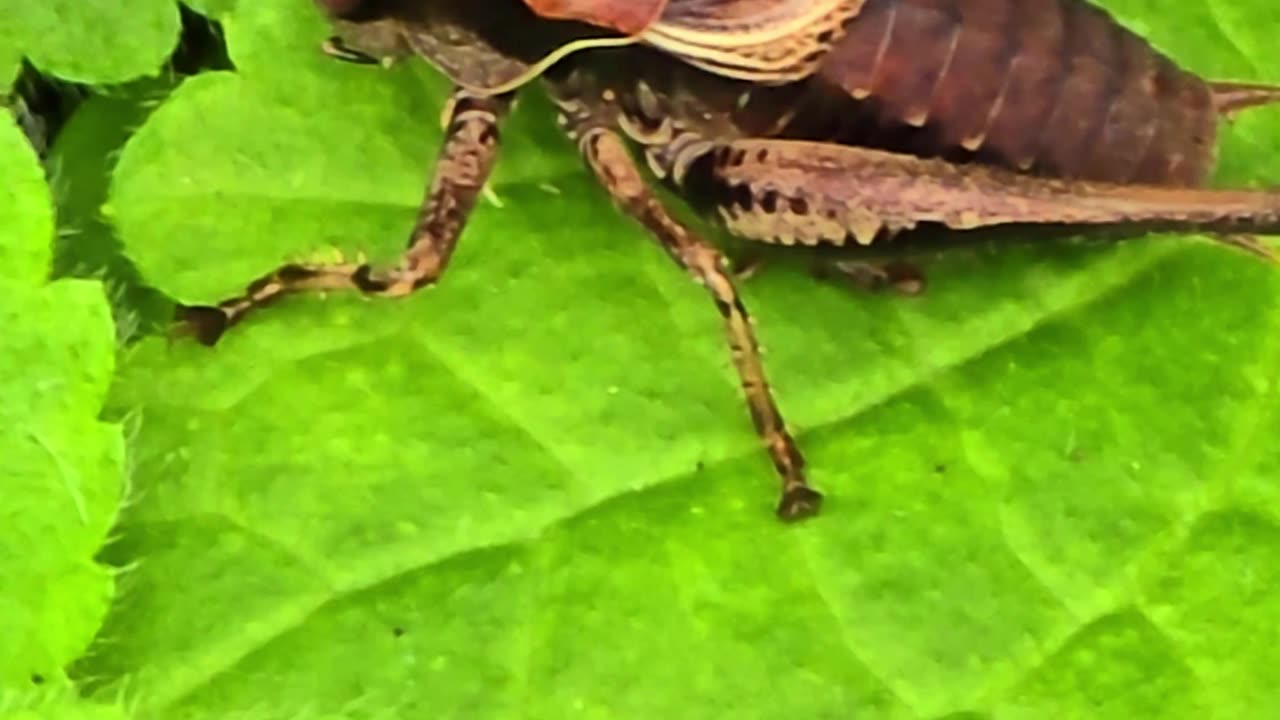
(464, 165)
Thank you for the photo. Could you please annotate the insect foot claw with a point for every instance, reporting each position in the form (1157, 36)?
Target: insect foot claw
(799, 502)
(205, 322)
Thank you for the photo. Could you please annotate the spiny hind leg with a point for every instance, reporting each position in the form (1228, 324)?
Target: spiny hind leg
(795, 192)
(607, 156)
(465, 160)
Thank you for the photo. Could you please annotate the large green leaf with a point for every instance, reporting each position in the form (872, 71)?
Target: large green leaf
(533, 491)
(61, 470)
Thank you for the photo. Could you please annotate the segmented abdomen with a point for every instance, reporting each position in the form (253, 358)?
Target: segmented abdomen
(1055, 87)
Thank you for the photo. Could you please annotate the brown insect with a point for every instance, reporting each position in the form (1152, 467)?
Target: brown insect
(807, 122)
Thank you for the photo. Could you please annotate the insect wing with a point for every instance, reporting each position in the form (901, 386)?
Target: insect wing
(629, 17)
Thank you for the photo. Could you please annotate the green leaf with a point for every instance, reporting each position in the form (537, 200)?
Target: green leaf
(55, 705)
(89, 41)
(26, 214)
(533, 491)
(62, 467)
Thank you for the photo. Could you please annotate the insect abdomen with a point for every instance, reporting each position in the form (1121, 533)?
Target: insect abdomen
(1055, 87)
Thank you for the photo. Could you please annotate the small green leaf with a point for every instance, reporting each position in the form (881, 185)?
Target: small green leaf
(26, 214)
(533, 491)
(89, 41)
(62, 468)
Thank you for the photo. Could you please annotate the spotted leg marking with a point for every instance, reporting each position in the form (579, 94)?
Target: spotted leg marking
(466, 158)
(607, 156)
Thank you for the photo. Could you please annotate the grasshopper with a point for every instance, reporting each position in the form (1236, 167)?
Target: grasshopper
(805, 123)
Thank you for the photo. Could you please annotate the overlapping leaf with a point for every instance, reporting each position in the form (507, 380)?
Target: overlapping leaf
(532, 491)
(62, 468)
(90, 41)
